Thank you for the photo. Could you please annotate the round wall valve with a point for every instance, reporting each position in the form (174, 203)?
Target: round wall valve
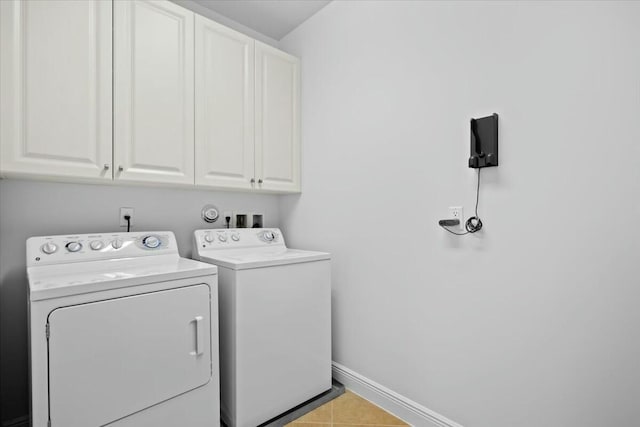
(210, 213)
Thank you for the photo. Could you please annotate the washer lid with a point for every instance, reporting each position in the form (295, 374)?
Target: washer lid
(241, 259)
(60, 280)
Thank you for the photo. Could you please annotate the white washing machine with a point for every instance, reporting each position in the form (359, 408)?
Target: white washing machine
(123, 332)
(275, 322)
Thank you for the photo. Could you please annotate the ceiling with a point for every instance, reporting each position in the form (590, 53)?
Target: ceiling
(273, 18)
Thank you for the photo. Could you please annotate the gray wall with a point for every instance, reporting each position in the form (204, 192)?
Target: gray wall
(31, 208)
(534, 321)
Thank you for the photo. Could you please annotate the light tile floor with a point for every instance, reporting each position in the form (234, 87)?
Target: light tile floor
(348, 410)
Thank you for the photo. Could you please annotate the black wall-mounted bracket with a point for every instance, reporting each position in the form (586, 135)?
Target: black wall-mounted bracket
(484, 142)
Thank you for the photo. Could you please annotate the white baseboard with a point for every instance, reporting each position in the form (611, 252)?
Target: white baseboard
(400, 406)
(17, 422)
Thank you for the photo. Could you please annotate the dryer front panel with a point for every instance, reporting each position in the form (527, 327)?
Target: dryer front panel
(112, 358)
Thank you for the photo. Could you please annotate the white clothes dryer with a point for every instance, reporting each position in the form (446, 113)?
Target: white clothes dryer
(275, 322)
(123, 332)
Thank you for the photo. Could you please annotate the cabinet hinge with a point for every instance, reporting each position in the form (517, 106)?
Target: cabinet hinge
(48, 332)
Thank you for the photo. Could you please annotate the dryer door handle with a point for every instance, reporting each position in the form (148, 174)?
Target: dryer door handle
(199, 335)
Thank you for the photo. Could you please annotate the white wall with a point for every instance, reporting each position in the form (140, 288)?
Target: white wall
(534, 321)
(31, 208)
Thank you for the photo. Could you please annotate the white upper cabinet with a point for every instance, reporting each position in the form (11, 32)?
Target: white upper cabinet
(224, 141)
(55, 82)
(277, 140)
(178, 99)
(153, 92)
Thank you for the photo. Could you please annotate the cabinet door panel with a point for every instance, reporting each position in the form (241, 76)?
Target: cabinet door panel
(277, 119)
(56, 88)
(224, 106)
(153, 54)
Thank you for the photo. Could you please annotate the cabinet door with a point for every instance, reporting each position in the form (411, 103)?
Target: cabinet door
(224, 106)
(110, 359)
(153, 93)
(277, 120)
(55, 81)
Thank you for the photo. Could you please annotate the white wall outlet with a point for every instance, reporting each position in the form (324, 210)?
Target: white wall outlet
(455, 212)
(123, 212)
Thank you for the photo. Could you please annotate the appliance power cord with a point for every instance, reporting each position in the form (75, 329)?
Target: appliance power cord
(474, 223)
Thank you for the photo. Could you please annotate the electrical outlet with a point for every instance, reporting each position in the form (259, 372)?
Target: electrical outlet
(455, 212)
(123, 212)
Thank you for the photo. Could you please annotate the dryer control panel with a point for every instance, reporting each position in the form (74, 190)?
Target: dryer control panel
(63, 249)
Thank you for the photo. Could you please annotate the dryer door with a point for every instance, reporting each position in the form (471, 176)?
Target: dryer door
(111, 358)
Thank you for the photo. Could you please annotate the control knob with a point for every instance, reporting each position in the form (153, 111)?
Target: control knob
(235, 237)
(268, 236)
(209, 237)
(222, 237)
(49, 248)
(116, 243)
(73, 246)
(96, 245)
(151, 242)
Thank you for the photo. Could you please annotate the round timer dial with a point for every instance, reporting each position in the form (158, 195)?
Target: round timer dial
(151, 242)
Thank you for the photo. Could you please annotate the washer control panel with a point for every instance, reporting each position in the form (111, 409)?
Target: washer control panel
(230, 238)
(93, 247)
